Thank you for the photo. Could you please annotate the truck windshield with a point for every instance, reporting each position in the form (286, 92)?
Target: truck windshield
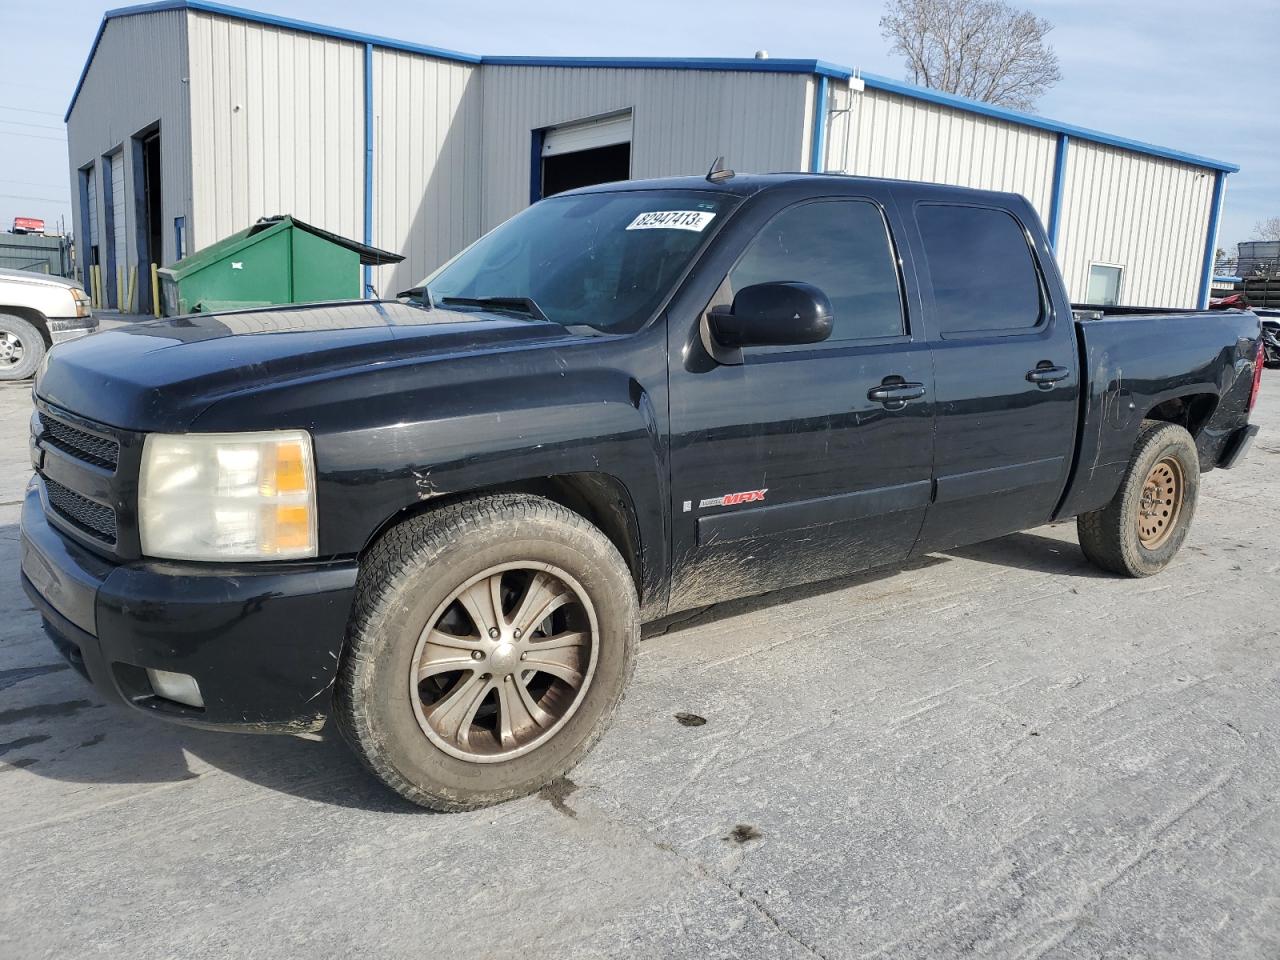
(602, 260)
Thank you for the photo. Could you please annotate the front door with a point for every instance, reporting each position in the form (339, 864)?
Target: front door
(801, 463)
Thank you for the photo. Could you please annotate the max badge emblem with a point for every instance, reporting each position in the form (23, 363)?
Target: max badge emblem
(733, 499)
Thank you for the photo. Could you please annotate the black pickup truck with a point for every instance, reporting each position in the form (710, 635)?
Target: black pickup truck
(441, 519)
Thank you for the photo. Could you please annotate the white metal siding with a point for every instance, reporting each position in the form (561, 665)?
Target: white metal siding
(1149, 215)
(135, 79)
(886, 135)
(426, 134)
(277, 126)
(683, 119)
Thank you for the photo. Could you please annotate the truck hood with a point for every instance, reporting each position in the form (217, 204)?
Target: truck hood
(35, 279)
(161, 375)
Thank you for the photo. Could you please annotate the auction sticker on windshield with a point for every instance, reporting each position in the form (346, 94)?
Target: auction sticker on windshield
(695, 220)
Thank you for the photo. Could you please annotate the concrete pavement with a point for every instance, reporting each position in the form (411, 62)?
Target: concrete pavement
(998, 751)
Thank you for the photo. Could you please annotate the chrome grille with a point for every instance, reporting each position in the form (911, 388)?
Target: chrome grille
(99, 451)
(93, 518)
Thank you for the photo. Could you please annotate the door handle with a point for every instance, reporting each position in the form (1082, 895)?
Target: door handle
(1046, 374)
(894, 392)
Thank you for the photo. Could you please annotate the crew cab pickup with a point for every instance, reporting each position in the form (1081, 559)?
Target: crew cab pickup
(440, 519)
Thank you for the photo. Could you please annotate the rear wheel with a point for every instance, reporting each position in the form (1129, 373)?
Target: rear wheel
(1144, 525)
(489, 648)
(21, 348)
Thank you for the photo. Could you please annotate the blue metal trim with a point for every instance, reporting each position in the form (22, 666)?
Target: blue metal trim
(535, 164)
(1031, 120)
(1059, 180)
(818, 146)
(368, 164)
(1211, 238)
(729, 64)
(819, 68)
(1228, 279)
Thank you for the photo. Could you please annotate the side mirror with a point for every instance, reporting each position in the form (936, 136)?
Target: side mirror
(773, 314)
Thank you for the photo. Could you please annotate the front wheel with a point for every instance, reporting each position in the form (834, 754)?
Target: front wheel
(1144, 525)
(21, 348)
(490, 645)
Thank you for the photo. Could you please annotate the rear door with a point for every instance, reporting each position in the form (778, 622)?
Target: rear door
(1007, 386)
(786, 468)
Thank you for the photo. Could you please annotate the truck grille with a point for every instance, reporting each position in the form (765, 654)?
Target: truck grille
(93, 518)
(99, 451)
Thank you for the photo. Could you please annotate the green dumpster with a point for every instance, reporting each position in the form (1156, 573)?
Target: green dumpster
(277, 260)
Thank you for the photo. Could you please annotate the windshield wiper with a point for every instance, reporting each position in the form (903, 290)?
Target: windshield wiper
(518, 304)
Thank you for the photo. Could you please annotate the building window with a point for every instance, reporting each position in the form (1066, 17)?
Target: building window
(1104, 284)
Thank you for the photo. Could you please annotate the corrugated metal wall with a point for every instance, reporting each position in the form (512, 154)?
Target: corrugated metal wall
(1144, 213)
(1149, 215)
(135, 79)
(426, 135)
(882, 134)
(277, 126)
(683, 119)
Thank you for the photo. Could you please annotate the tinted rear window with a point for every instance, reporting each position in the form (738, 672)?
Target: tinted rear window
(983, 275)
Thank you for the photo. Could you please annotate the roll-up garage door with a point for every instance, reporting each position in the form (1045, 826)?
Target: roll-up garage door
(587, 135)
(118, 208)
(91, 191)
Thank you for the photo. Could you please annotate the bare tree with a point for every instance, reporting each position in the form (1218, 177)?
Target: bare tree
(980, 49)
(1268, 229)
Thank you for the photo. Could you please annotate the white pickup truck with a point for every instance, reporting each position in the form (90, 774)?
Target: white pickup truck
(36, 312)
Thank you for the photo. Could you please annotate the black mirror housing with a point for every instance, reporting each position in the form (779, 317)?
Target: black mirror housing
(773, 314)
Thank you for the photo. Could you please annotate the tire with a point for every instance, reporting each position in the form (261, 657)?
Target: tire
(402, 731)
(22, 348)
(1138, 538)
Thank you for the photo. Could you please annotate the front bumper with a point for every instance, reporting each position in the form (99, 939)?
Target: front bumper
(262, 641)
(62, 330)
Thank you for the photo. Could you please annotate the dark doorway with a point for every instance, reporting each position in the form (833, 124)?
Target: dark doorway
(582, 168)
(147, 210)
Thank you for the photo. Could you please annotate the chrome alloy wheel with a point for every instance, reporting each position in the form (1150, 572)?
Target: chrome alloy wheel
(12, 349)
(504, 662)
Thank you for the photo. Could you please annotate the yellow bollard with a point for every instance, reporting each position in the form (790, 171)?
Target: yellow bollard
(96, 272)
(155, 290)
(133, 287)
(120, 287)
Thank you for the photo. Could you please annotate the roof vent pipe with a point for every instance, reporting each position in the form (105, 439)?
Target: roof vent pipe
(762, 54)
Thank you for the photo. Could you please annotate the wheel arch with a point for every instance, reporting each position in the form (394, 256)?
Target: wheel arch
(1192, 411)
(600, 498)
(33, 317)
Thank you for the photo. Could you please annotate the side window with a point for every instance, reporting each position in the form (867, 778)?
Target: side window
(983, 275)
(842, 248)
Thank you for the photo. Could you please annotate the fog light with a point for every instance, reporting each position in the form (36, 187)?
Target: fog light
(180, 687)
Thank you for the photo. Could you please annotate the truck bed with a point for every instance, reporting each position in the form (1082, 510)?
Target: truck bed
(1137, 359)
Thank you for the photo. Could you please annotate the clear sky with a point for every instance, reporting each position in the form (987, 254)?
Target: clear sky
(1179, 73)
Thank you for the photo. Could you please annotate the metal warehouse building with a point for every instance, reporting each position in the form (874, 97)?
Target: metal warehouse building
(192, 119)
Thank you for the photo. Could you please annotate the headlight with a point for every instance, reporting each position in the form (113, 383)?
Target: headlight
(82, 302)
(228, 496)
